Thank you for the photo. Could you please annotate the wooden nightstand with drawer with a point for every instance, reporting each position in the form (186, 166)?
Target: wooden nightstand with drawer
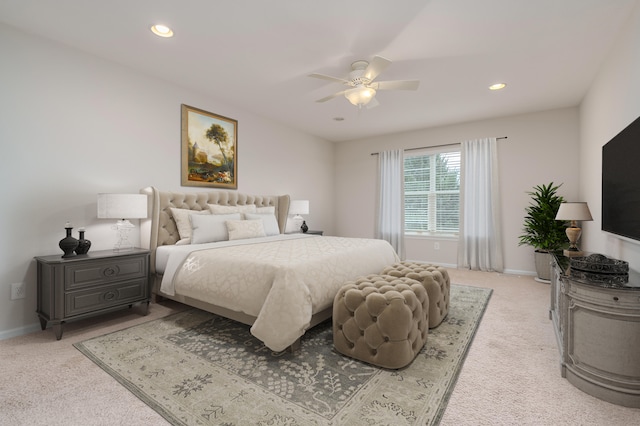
(92, 284)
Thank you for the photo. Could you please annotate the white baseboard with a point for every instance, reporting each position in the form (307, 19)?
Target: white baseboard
(517, 272)
(19, 331)
(454, 266)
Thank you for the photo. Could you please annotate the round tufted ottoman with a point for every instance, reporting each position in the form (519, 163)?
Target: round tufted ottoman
(381, 320)
(434, 278)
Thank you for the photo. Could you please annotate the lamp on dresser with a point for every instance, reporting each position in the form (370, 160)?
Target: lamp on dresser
(122, 207)
(573, 212)
(298, 208)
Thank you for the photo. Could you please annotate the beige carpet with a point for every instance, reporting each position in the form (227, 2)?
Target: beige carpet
(511, 375)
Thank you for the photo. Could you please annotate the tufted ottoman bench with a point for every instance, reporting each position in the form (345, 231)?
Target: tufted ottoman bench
(381, 320)
(434, 278)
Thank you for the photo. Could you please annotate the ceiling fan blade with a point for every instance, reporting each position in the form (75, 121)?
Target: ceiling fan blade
(328, 98)
(376, 66)
(396, 85)
(328, 77)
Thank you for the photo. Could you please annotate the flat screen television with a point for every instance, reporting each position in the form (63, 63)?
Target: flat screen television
(621, 183)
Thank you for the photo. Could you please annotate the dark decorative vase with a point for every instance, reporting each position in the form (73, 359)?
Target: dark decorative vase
(304, 226)
(83, 245)
(68, 244)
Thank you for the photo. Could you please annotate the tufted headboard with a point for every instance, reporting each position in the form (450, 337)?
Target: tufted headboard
(160, 229)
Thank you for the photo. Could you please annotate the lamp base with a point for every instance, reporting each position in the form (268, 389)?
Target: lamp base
(572, 253)
(123, 227)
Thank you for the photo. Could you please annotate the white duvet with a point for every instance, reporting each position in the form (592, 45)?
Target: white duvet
(281, 280)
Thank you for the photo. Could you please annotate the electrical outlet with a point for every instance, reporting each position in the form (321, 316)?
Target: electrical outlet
(18, 291)
(436, 246)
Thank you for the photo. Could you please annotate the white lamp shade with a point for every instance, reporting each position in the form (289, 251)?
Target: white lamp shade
(122, 206)
(299, 207)
(574, 211)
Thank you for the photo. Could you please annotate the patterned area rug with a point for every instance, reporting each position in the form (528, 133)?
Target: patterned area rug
(196, 368)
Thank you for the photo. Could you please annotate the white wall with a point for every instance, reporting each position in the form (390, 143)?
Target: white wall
(541, 148)
(612, 103)
(73, 125)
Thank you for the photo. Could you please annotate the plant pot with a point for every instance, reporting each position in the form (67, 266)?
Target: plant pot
(543, 266)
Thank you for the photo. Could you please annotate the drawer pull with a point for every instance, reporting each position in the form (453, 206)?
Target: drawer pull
(615, 298)
(110, 295)
(110, 272)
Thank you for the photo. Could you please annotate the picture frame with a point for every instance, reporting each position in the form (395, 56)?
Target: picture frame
(209, 149)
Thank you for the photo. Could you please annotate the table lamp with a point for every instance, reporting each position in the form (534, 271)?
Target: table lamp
(122, 207)
(298, 208)
(573, 212)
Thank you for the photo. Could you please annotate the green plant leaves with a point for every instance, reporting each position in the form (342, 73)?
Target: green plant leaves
(541, 229)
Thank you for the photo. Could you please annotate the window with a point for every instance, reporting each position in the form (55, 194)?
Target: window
(432, 193)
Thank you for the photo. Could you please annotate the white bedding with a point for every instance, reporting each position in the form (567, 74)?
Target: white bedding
(281, 280)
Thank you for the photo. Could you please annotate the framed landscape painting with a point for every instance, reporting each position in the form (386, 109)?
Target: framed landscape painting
(209, 149)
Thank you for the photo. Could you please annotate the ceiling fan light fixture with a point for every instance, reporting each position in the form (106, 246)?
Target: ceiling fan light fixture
(360, 96)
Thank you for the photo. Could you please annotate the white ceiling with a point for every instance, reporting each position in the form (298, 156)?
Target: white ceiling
(257, 54)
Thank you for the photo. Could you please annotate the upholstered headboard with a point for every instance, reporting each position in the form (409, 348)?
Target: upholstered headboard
(160, 229)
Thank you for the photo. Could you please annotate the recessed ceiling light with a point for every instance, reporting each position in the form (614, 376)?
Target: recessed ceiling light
(162, 30)
(497, 86)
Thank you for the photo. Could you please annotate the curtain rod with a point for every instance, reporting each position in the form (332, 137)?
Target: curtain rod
(435, 146)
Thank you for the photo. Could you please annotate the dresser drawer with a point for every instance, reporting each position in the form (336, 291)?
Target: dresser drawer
(87, 274)
(106, 296)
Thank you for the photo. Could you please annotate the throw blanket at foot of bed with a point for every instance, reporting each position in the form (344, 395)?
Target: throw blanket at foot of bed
(282, 282)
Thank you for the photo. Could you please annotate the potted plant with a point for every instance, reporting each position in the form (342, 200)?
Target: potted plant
(541, 229)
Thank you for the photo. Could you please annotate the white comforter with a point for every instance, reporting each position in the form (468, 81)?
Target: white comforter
(281, 280)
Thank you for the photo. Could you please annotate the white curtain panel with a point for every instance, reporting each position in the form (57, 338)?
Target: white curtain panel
(480, 241)
(390, 220)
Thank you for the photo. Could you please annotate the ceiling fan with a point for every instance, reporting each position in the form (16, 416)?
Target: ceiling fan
(362, 88)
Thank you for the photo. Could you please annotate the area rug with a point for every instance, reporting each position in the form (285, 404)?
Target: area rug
(196, 368)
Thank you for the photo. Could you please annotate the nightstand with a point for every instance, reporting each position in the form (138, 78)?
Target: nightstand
(91, 284)
(314, 232)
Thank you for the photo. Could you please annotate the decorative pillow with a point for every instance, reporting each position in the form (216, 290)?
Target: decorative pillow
(218, 209)
(265, 210)
(210, 228)
(268, 220)
(183, 222)
(241, 229)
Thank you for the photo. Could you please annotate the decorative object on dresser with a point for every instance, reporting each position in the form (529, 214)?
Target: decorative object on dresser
(68, 244)
(83, 286)
(541, 229)
(297, 208)
(573, 212)
(597, 326)
(83, 244)
(209, 149)
(601, 270)
(122, 207)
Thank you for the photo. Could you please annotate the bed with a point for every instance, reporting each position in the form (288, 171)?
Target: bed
(280, 284)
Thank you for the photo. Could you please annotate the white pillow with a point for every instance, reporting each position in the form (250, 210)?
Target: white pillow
(241, 229)
(218, 209)
(210, 228)
(268, 220)
(183, 222)
(265, 210)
